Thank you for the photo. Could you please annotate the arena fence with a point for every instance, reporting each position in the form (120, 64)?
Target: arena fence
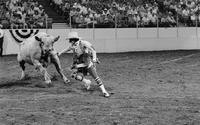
(111, 40)
(178, 21)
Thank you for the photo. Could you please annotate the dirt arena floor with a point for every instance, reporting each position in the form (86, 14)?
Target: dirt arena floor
(148, 88)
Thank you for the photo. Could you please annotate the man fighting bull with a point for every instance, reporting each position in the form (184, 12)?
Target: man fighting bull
(84, 60)
(39, 51)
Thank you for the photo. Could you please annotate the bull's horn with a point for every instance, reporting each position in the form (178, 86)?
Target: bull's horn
(56, 38)
(37, 38)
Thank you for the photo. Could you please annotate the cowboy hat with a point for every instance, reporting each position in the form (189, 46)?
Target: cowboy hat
(73, 35)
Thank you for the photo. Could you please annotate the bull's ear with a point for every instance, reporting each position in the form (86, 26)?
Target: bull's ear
(37, 38)
(56, 38)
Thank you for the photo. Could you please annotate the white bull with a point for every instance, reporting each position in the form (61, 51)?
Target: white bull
(38, 51)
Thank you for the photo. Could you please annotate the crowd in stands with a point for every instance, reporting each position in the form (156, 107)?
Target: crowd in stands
(109, 13)
(187, 12)
(20, 14)
(104, 13)
(129, 13)
(2, 12)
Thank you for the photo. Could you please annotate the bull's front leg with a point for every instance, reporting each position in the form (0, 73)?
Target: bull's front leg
(57, 64)
(39, 67)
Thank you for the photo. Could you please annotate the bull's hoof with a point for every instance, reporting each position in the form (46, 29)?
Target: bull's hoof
(22, 78)
(25, 77)
(48, 81)
(49, 85)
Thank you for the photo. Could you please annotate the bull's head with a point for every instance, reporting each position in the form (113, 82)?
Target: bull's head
(46, 43)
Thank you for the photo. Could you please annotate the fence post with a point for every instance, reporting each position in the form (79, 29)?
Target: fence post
(115, 27)
(137, 27)
(197, 36)
(70, 21)
(46, 23)
(197, 26)
(157, 22)
(93, 26)
(177, 30)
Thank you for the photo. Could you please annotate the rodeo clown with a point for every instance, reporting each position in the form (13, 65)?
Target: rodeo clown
(84, 59)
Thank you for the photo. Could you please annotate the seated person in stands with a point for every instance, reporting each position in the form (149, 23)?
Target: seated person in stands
(29, 20)
(79, 21)
(131, 21)
(30, 12)
(164, 21)
(105, 12)
(40, 10)
(14, 20)
(66, 11)
(171, 20)
(21, 22)
(36, 15)
(111, 20)
(40, 23)
(192, 19)
(87, 19)
(145, 21)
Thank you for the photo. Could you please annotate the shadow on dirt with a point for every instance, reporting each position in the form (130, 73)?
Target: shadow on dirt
(28, 81)
(14, 83)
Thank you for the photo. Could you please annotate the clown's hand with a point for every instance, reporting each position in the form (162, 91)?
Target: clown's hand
(96, 60)
(59, 54)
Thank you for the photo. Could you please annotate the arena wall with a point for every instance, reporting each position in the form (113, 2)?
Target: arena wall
(123, 39)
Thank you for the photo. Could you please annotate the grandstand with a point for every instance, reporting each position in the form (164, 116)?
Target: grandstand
(58, 20)
(99, 14)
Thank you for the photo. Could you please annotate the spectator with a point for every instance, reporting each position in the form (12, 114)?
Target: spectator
(192, 20)
(164, 21)
(25, 14)
(131, 20)
(153, 20)
(145, 21)
(171, 21)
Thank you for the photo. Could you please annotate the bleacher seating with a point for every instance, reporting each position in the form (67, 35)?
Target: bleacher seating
(20, 14)
(129, 13)
(111, 13)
